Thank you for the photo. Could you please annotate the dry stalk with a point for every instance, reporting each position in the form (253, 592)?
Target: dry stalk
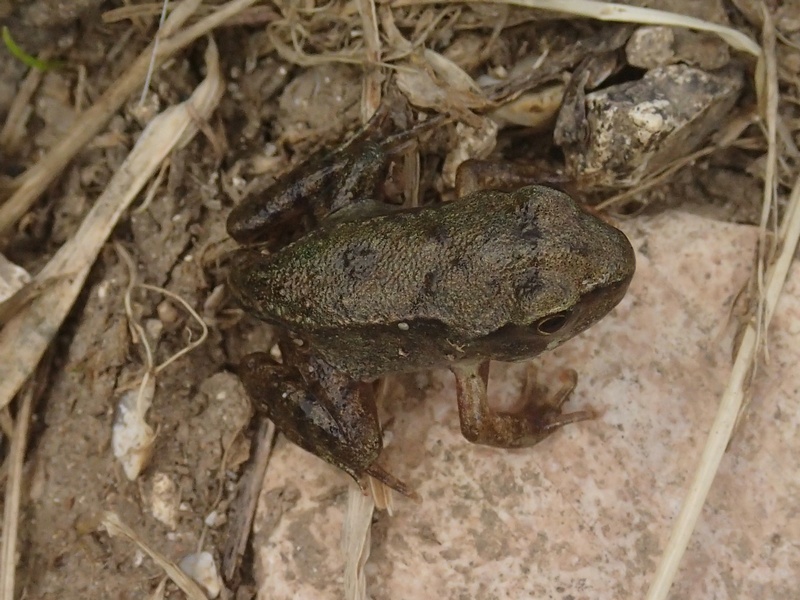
(355, 542)
(8, 551)
(116, 528)
(21, 108)
(371, 86)
(246, 502)
(618, 13)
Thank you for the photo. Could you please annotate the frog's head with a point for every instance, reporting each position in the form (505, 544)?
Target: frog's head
(579, 269)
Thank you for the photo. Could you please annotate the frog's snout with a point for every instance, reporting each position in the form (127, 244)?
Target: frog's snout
(616, 266)
(624, 261)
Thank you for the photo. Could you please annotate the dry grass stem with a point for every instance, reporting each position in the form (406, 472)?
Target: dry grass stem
(667, 172)
(152, 189)
(152, 65)
(618, 13)
(6, 424)
(19, 112)
(9, 307)
(656, 179)
(769, 96)
(355, 542)
(8, 550)
(192, 312)
(134, 12)
(132, 436)
(116, 528)
(246, 502)
(371, 85)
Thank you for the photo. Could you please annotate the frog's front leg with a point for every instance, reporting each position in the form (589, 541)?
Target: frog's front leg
(329, 181)
(321, 410)
(539, 418)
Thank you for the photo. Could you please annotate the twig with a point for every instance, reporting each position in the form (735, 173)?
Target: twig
(8, 552)
(115, 527)
(18, 113)
(152, 65)
(619, 13)
(355, 542)
(371, 86)
(238, 532)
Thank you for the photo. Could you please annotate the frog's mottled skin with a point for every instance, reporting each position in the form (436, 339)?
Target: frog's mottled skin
(493, 275)
(425, 288)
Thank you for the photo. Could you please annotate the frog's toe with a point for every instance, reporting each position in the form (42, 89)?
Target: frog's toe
(534, 395)
(379, 473)
(544, 410)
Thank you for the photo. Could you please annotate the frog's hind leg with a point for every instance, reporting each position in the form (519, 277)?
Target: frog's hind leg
(321, 410)
(332, 417)
(539, 418)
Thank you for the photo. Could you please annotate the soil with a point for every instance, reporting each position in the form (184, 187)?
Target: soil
(275, 114)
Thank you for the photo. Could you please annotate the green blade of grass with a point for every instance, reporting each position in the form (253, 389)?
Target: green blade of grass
(24, 57)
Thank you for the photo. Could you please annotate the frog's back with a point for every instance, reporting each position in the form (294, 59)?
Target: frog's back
(398, 289)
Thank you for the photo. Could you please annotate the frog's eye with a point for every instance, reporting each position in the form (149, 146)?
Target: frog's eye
(552, 323)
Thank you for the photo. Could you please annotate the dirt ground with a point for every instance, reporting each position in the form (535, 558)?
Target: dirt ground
(279, 107)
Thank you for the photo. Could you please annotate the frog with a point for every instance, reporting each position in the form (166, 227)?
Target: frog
(365, 289)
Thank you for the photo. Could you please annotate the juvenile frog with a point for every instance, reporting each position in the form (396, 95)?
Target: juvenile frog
(370, 290)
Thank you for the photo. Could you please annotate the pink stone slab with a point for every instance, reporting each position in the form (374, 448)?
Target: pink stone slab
(584, 514)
